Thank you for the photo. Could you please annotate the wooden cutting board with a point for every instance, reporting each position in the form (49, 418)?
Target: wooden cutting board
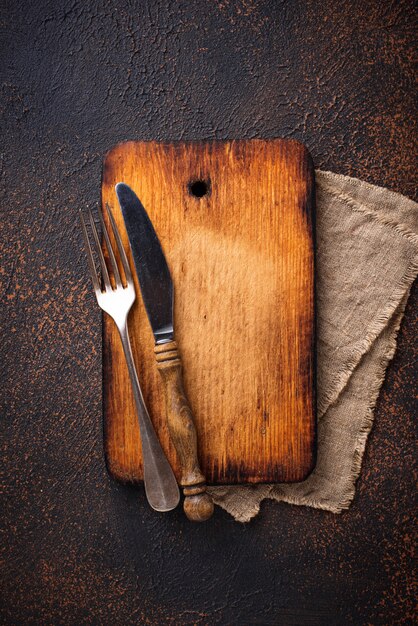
(236, 223)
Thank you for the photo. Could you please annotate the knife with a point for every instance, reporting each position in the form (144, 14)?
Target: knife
(158, 296)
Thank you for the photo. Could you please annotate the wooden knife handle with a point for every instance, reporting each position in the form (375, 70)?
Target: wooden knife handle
(198, 505)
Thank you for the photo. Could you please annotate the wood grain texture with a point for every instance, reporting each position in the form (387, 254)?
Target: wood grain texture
(242, 261)
(197, 504)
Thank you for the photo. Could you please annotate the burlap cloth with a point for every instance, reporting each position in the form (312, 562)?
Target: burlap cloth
(367, 258)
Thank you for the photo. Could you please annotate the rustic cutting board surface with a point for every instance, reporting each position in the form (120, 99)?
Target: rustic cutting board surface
(235, 220)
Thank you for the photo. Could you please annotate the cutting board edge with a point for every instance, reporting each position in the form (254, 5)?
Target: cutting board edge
(114, 469)
(114, 150)
(116, 473)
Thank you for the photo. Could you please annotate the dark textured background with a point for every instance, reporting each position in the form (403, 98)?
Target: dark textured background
(79, 76)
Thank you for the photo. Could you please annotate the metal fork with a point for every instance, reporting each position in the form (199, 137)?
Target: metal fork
(160, 484)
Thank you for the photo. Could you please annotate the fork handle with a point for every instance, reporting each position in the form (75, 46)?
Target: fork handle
(159, 481)
(198, 505)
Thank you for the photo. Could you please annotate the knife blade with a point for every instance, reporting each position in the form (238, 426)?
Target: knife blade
(150, 263)
(158, 297)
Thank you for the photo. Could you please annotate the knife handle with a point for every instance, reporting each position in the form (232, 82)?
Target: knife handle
(198, 505)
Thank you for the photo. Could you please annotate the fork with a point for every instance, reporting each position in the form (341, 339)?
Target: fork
(160, 484)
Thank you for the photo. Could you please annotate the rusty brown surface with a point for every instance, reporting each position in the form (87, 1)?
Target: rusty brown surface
(76, 547)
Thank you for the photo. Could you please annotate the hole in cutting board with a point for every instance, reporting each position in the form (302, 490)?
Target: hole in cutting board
(199, 188)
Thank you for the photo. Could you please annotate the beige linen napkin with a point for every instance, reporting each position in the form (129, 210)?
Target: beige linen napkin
(367, 258)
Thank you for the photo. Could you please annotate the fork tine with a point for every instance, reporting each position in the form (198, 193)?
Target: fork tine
(89, 253)
(119, 243)
(105, 273)
(115, 268)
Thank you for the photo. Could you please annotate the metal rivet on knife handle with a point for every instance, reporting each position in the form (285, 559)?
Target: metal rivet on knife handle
(198, 505)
